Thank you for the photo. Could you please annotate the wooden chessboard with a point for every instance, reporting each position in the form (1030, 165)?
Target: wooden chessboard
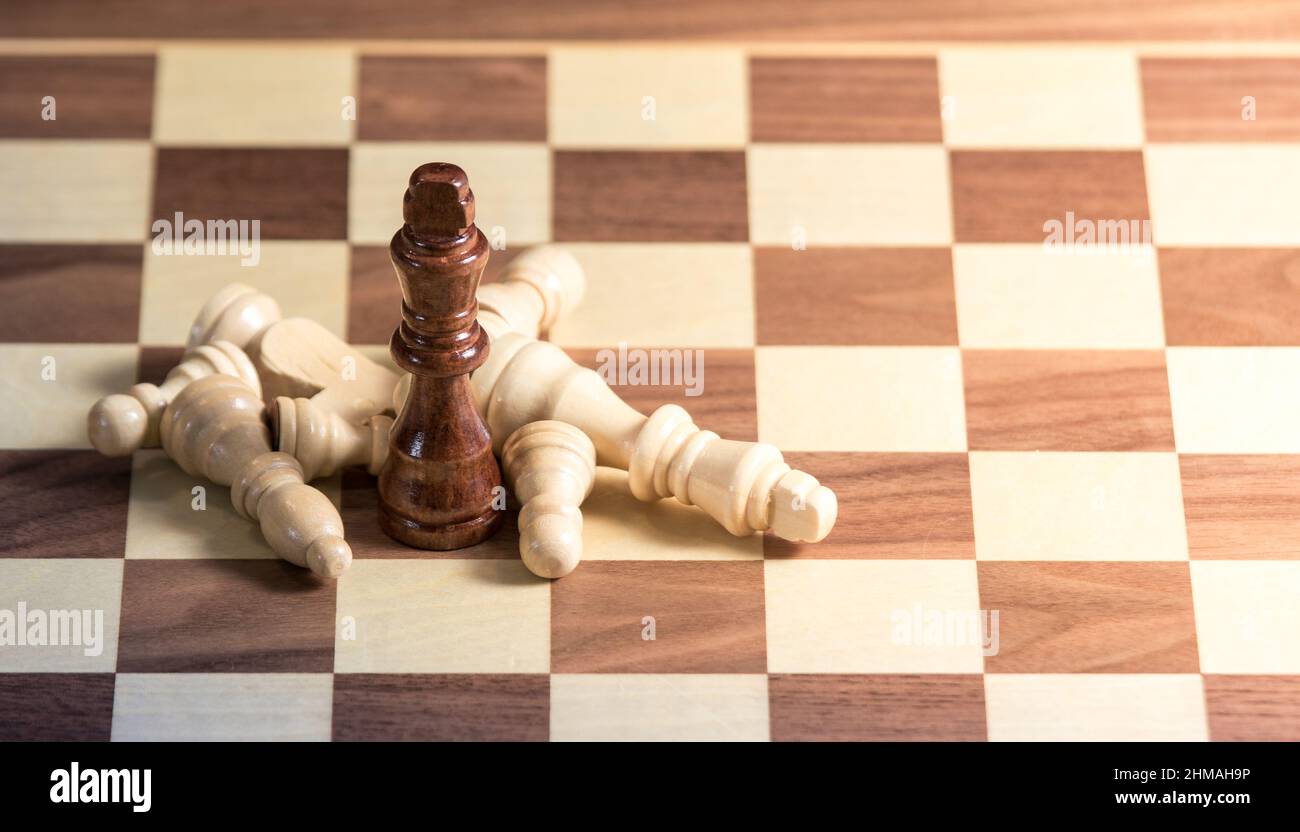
(1099, 447)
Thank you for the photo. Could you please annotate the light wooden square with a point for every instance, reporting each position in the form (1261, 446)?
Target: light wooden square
(1081, 707)
(648, 98)
(1077, 506)
(223, 707)
(1247, 619)
(861, 398)
(164, 521)
(442, 616)
(1023, 296)
(669, 295)
(51, 387)
(880, 194)
(309, 279)
(75, 191)
(1223, 195)
(1235, 400)
(617, 526)
(67, 588)
(871, 616)
(649, 707)
(1046, 98)
(254, 96)
(511, 184)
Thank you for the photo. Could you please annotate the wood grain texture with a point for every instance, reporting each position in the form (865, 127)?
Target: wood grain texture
(375, 298)
(418, 98)
(98, 287)
(1231, 297)
(56, 707)
(63, 504)
(1090, 617)
(727, 401)
(298, 194)
(225, 616)
(854, 296)
(1202, 99)
(95, 97)
(1067, 400)
(844, 100)
(1253, 708)
(879, 708)
(1007, 196)
(650, 196)
(1242, 507)
(708, 618)
(477, 707)
(898, 505)
(837, 20)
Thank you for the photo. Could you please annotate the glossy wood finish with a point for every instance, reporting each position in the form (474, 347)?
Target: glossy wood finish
(437, 486)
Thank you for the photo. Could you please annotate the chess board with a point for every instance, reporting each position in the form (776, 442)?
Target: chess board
(1093, 452)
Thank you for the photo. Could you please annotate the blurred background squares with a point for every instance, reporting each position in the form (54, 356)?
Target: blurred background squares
(422, 98)
(49, 199)
(634, 97)
(253, 97)
(849, 194)
(828, 99)
(1041, 98)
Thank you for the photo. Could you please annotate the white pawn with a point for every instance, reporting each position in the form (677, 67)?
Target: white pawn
(123, 423)
(550, 466)
(214, 429)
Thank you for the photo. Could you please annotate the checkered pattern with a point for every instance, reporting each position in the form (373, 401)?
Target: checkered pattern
(1102, 448)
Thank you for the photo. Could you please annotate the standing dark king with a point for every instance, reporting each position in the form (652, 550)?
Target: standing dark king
(437, 487)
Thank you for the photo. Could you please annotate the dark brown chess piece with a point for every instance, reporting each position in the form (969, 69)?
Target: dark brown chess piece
(437, 486)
